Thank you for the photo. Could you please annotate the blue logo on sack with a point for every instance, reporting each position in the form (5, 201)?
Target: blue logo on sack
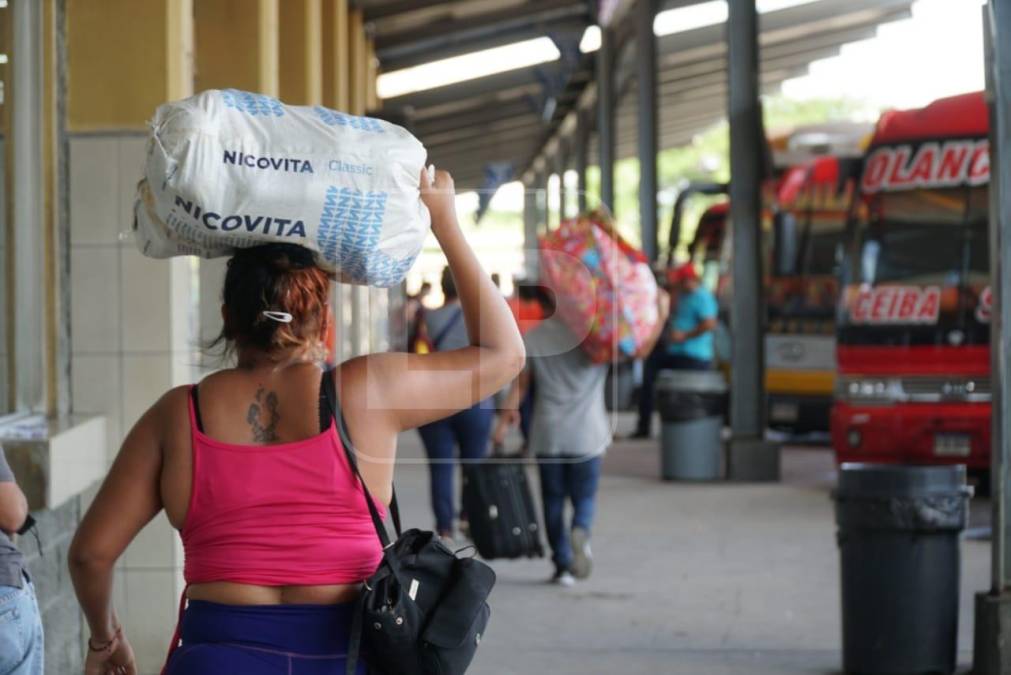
(348, 237)
(252, 104)
(339, 119)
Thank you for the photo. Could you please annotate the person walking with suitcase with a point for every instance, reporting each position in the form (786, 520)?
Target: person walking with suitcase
(569, 434)
(467, 430)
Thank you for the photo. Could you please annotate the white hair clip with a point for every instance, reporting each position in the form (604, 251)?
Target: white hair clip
(280, 317)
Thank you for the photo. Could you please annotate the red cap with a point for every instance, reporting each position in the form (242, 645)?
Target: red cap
(683, 272)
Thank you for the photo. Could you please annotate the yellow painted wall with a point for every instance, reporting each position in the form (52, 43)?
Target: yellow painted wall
(237, 45)
(124, 59)
(301, 53)
(358, 64)
(336, 54)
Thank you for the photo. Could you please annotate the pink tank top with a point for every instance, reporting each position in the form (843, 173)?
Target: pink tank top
(289, 514)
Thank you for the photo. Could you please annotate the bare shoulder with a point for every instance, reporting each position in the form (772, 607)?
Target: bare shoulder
(364, 381)
(174, 401)
(167, 414)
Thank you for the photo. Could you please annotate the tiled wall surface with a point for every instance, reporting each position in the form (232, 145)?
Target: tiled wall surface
(132, 338)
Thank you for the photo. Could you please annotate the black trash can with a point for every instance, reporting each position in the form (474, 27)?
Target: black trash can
(691, 405)
(900, 565)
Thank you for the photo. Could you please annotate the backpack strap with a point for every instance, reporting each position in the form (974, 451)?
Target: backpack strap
(453, 320)
(198, 421)
(329, 387)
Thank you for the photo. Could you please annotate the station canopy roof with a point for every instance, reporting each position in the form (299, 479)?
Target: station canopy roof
(495, 127)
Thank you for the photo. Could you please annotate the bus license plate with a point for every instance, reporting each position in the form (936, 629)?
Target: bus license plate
(952, 445)
(784, 412)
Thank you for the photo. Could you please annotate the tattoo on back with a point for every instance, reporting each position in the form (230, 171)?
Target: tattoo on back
(264, 410)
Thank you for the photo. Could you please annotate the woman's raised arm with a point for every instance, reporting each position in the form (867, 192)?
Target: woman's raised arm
(402, 391)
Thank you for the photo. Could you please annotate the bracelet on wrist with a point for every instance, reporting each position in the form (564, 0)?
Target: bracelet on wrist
(106, 646)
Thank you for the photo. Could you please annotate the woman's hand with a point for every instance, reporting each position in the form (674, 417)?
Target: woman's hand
(440, 198)
(117, 659)
(507, 420)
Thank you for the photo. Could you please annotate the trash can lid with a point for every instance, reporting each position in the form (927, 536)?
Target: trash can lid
(701, 381)
(892, 480)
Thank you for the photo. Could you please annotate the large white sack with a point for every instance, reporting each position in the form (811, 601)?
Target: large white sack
(229, 169)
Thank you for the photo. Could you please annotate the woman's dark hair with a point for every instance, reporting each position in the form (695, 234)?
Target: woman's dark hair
(448, 285)
(280, 278)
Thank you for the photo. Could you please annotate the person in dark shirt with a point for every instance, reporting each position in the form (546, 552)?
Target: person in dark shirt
(21, 641)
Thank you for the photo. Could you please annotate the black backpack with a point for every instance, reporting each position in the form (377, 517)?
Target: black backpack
(425, 608)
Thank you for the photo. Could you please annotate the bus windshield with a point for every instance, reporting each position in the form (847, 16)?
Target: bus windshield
(923, 237)
(929, 246)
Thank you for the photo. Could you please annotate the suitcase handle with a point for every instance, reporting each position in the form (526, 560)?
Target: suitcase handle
(498, 451)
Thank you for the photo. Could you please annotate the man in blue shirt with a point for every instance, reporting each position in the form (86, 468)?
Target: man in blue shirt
(689, 339)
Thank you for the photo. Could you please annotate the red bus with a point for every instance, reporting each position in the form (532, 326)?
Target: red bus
(913, 329)
(802, 234)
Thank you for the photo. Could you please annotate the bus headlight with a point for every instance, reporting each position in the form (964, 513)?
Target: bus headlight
(870, 389)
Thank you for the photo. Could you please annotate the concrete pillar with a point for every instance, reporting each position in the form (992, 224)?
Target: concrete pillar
(358, 63)
(371, 76)
(336, 55)
(530, 262)
(645, 58)
(992, 648)
(561, 166)
(750, 456)
(581, 151)
(301, 61)
(541, 199)
(606, 116)
(237, 45)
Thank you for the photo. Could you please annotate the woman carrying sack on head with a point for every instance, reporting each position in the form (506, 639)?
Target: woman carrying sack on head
(250, 468)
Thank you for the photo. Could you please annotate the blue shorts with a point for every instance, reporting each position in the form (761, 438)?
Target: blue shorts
(263, 640)
(21, 641)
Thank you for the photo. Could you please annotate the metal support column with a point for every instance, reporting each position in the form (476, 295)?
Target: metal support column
(561, 166)
(992, 648)
(530, 264)
(645, 62)
(606, 116)
(750, 457)
(582, 158)
(541, 199)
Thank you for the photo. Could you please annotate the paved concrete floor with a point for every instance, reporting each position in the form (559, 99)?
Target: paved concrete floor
(689, 579)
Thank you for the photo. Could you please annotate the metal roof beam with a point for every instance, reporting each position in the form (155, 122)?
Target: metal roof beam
(531, 124)
(462, 106)
(470, 88)
(390, 63)
(435, 36)
(479, 116)
(477, 143)
(400, 7)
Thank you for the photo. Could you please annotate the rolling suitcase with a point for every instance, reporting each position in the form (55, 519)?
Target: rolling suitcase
(500, 508)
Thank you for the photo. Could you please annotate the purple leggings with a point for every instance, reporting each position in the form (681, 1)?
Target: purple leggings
(263, 640)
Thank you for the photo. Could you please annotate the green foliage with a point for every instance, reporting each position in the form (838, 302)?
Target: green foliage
(707, 158)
